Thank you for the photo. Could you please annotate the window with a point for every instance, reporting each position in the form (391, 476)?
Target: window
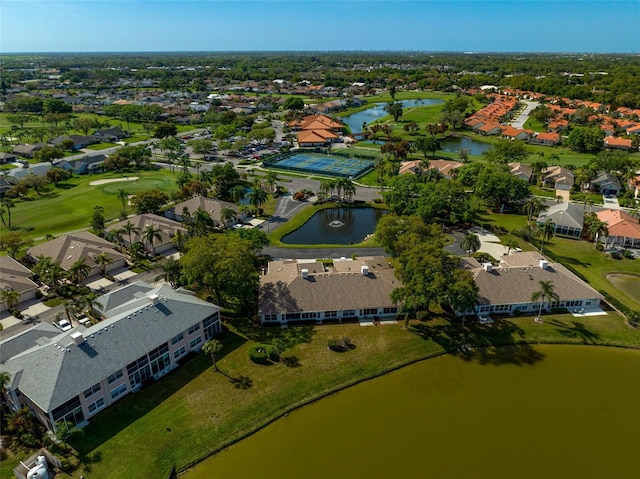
(330, 314)
(370, 311)
(194, 342)
(390, 310)
(119, 391)
(349, 312)
(114, 377)
(92, 390)
(292, 316)
(211, 326)
(177, 339)
(270, 317)
(309, 315)
(194, 328)
(94, 406)
(179, 352)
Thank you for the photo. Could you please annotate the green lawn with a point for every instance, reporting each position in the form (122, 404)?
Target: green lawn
(101, 146)
(194, 411)
(69, 207)
(535, 125)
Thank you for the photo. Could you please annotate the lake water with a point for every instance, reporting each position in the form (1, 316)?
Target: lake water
(475, 148)
(355, 120)
(572, 413)
(627, 283)
(336, 226)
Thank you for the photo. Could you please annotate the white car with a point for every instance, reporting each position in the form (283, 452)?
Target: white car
(485, 319)
(63, 324)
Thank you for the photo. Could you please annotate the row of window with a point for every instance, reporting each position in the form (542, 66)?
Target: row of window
(195, 341)
(119, 391)
(115, 376)
(329, 314)
(94, 406)
(92, 390)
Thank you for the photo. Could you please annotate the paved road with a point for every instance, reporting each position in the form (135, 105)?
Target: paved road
(522, 117)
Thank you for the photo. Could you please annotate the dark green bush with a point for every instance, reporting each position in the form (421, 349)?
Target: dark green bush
(340, 345)
(261, 353)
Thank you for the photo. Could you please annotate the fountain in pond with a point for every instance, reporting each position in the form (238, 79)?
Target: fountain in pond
(336, 224)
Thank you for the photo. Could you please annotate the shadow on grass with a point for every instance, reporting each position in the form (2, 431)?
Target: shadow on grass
(499, 343)
(291, 336)
(132, 407)
(578, 330)
(573, 261)
(291, 361)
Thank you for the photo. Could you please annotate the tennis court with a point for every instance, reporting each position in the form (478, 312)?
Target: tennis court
(321, 164)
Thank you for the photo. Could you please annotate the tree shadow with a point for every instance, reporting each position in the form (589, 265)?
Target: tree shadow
(578, 330)
(87, 459)
(499, 343)
(291, 336)
(242, 382)
(291, 361)
(573, 261)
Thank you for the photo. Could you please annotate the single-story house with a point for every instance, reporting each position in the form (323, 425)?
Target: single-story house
(444, 167)
(211, 206)
(17, 277)
(110, 134)
(558, 177)
(349, 289)
(79, 141)
(507, 288)
(568, 218)
(27, 150)
(7, 158)
(615, 143)
(71, 376)
(70, 248)
(624, 229)
(84, 165)
(547, 139)
(168, 229)
(489, 129)
(606, 184)
(522, 171)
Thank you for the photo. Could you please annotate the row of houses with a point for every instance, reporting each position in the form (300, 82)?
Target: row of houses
(316, 130)
(294, 292)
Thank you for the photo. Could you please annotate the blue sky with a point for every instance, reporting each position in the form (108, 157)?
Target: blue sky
(233, 25)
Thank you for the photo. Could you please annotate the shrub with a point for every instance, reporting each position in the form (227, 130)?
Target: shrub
(65, 465)
(628, 254)
(616, 255)
(377, 200)
(340, 345)
(261, 353)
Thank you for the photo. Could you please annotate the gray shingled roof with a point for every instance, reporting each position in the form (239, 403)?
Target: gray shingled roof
(53, 373)
(564, 214)
(167, 227)
(15, 276)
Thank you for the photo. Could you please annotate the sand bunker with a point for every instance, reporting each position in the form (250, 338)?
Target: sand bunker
(113, 180)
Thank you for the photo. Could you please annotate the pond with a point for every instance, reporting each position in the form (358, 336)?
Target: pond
(573, 412)
(475, 148)
(355, 120)
(627, 283)
(336, 226)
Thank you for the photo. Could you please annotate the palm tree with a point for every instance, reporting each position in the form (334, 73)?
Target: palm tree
(7, 203)
(596, 229)
(91, 303)
(115, 236)
(228, 215)
(179, 239)
(171, 271)
(532, 207)
(237, 193)
(470, 243)
(150, 235)
(271, 180)
(79, 270)
(545, 232)
(10, 297)
(348, 188)
(257, 196)
(545, 292)
(130, 229)
(327, 187)
(123, 196)
(212, 348)
(103, 260)
(5, 379)
(510, 243)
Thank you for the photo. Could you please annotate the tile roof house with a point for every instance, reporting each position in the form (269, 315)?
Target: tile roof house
(211, 206)
(316, 130)
(70, 248)
(546, 139)
(444, 167)
(347, 290)
(17, 277)
(71, 376)
(613, 142)
(568, 218)
(507, 288)
(168, 229)
(624, 229)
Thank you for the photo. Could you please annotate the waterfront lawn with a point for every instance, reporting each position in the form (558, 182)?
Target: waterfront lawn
(194, 411)
(69, 206)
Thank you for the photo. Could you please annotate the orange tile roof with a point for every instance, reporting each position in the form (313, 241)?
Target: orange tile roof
(619, 142)
(620, 223)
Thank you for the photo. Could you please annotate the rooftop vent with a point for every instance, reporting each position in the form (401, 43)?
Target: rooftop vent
(364, 269)
(305, 273)
(544, 264)
(77, 337)
(487, 266)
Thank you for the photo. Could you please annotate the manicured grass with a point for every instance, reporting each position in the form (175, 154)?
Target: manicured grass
(535, 125)
(546, 192)
(195, 411)
(70, 206)
(101, 146)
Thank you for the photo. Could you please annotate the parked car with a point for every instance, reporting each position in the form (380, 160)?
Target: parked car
(63, 324)
(485, 319)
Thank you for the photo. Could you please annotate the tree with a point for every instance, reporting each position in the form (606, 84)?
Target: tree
(5, 380)
(10, 297)
(257, 238)
(5, 207)
(462, 293)
(427, 144)
(223, 265)
(49, 271)
(56, 175)
(212, 348)
(596, 229)
(228, 215)
(55, 105)
(257, 197)
(90, 302)
(48, 153)
(117, 162)
(179, 240)
(470, 243)
(149, 201)
(79, 270)
(13, 243)
(171, 272)
(97, 220)
(532, 207)
(506, 151)
(585, 139)
(66, 432)
(130, 229)
(103, 260)
(546, 292)
(293, 103)
(510, 243)
(123, 196)
(394, 109)
(546, 231)
(164, 130)
(151, 234)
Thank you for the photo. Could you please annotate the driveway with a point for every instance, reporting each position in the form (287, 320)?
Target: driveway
(611, 203)
(522, 117)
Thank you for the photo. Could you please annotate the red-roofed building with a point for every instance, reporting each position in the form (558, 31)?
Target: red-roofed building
(547, 139)
(614, 142)
(624, 230)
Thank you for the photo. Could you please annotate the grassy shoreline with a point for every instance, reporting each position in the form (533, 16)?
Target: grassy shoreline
(219, 415)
